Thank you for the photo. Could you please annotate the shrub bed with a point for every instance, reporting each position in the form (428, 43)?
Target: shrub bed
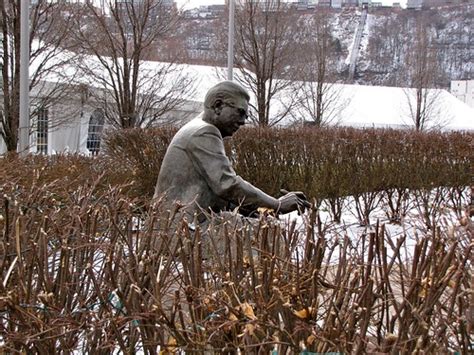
(77, 275)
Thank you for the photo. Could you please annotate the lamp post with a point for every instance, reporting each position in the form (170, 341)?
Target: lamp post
(230, 48)
(24, 124)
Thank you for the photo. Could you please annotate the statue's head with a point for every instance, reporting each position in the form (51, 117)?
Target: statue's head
(226, 106)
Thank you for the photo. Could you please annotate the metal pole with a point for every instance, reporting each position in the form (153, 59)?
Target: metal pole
(230, 49)
(23, 129)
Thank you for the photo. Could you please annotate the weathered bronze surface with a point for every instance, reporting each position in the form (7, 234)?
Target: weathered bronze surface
(196, 172)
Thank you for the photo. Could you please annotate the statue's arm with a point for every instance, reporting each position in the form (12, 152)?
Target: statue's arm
(207, 152)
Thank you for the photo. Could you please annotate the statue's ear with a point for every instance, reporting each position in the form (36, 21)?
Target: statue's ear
(218, 106)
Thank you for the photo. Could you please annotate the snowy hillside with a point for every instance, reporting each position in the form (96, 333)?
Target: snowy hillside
(388, 36)
(391, 35)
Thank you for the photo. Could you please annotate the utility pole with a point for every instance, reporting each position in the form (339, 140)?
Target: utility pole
(230, 48)
(24, 124)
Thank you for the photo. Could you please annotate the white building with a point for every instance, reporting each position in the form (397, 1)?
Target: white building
(463, 90)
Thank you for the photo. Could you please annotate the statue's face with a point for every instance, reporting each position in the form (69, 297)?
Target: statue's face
(231, 115)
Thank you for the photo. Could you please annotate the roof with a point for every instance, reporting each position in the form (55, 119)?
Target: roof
(366, 106)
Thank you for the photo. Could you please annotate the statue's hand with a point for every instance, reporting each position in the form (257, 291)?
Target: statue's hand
(293, 201)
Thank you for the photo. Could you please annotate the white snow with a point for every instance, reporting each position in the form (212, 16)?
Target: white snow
(411, 226)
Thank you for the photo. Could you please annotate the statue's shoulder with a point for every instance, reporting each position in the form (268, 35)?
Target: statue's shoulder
(197, 127)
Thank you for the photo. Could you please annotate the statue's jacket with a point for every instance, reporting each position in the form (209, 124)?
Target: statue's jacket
(197, 174)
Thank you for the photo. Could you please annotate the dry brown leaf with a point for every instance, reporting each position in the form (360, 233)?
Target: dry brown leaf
(171, 347)
(265, 210)
(247, 310)
(311, 339)
(232, 317)
(250, 329)
(302, 314)
(425, 285)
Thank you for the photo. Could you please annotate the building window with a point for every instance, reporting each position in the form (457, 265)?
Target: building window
(42, 131)
(96, 124)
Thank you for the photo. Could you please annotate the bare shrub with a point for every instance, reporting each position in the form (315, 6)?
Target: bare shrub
(135, 156)
(84, 266)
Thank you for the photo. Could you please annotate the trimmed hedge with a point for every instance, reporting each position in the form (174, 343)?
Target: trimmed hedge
(135, 156)
(324, 163)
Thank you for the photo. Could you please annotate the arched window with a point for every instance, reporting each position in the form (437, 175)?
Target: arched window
(42, 131)
(96, 124)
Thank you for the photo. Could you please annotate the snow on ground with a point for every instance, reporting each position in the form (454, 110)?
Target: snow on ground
(411, 226)
(370, 20)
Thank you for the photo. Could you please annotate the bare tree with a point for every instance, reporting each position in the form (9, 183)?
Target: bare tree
(320, 100)
(132, 93)
(422, 72)
(264, 46)
(48, 22)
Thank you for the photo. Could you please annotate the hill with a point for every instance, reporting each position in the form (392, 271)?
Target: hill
(388, 38)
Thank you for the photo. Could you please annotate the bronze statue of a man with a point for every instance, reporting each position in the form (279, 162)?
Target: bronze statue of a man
(196, 172)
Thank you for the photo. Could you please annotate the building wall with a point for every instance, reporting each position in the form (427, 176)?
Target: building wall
(463, 90)
(68, 123)
(470, 93)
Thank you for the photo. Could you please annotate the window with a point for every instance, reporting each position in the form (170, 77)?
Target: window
(42, 131)
(96, 124)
